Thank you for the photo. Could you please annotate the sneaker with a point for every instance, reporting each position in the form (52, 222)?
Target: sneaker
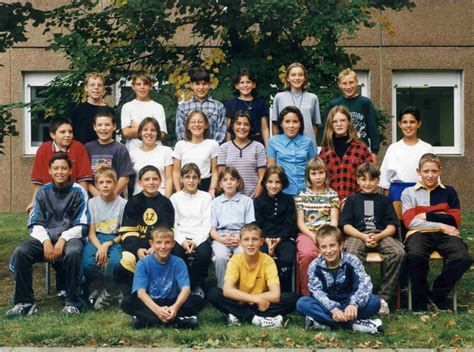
(268, 322)
(22, 310)
(104, 300)
(232, 320)
(61, 294)
(369, 326)
(384, 309)
(311, 324)
(190, 322)
(93, 297)
(198, 291)
(70, 310)
(138, 324)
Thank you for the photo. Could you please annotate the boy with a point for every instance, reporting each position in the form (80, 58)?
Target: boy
(143, 211)
(105, 150)
(369, 220)
(161, 289)
(56, 224)
(341, 290)
(214, 110)
(432, 215)
(251, 286)
(60, 131)
(82, 116)
(142, 106)
(103, 251)
(362, 110)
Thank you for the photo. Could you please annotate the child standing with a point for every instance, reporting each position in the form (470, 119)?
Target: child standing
(245, 84)
(230, 211)
(342, 152)
(316, 206)
(142, 106)
(400, 162)
(106, 151)
(57, 222)
(200, 101)
(247, 156)
(153, 153)
(363, 113)
(197, 148)
(103, 251)
(295, 94)
(291, 150)
(161, 293)
(275, 213)
(192, 225)
(82, 116)
(142, 213)
(432, 214)
(341, 290)
(369, 220)
(251, 287)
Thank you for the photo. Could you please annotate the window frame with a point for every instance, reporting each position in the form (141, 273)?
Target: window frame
(426, 79)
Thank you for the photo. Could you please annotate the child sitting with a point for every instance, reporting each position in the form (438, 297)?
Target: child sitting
(103, 250)
(369, 220)
(432, 214)
(161, 289)
(251, 286)
(57, 222)
(341, 290)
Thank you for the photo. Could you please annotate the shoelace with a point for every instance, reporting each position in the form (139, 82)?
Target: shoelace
(71, 309)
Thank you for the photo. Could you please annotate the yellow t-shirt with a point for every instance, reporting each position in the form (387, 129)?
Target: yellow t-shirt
(252, 281)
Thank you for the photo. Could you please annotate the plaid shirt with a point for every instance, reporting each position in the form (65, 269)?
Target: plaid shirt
(342, 172)
(215, 112)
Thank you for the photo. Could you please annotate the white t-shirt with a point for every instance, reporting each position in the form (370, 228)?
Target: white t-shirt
(401, 161)
(160, 157)
(200, 154)
(136, 111)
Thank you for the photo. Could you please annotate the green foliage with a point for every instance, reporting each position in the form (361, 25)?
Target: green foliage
(126, 36)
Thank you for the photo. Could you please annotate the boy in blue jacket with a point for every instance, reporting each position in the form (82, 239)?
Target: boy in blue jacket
(341, 290)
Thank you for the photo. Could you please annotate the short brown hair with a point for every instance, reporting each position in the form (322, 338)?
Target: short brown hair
(292, 66)
(429, 158)
(251, 227)
(105, 171)
(329, 230)
(315, 164)
(161, 230)
(145, 77)
(94, 75)
(187, 132)
(232, 171)
(346, 72)
(368, 168)
(145, 121)
(278, 170)
(189, 167)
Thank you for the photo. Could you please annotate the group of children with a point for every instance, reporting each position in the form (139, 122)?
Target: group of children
(258, 207)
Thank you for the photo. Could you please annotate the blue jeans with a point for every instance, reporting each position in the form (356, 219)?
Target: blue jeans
(311, 307)
(94, 272)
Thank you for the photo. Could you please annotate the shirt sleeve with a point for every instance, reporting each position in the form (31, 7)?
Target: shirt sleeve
(261, 156)
(215, 149)
(39, 171)
(249, 211)
(232, 273)
(409, 213)
(316, 114)
(271, 151)
(316, 288)
(182, 275)
(83, 164)
(385, 174)
(180, 119)
(214, 205)
(221, 155)
(347, 213)
(178, 151)
(162, 118)
(372, 127)
(362, 285)
(73, 232)
(168, 152)
(221, 124)
(205, 227)
(271, 272)
(140, 278)
(40, 233)
(124, 163)
(275, 110)
(125, 116)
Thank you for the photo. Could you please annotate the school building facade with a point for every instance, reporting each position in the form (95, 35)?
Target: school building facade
(422, 58)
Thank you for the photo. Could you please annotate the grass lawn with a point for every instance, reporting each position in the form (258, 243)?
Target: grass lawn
(112, 328)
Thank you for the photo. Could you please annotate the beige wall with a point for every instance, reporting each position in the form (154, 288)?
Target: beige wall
(436, 35)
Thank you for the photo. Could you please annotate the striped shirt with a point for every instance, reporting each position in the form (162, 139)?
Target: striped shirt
(246, 160)
(317, 207)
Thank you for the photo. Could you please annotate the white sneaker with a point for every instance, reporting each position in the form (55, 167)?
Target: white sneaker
(384, 309)
(368, 326)
(268, 322)
(232, 320)
(311, 324)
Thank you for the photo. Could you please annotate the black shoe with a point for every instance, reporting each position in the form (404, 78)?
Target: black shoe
(187, 322)
(441, 305)
(420, 308)
(138, 324)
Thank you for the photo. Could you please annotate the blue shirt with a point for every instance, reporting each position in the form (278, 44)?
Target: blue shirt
(161, 280)
(293, 155)
(229, 215)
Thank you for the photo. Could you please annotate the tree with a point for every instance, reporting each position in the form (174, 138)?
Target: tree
(223, 36)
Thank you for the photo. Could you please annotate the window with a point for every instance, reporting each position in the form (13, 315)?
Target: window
(363, 78)
(35, 130)
(438, 96)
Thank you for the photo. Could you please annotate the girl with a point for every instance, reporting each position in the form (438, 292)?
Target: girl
(399, 165)
(244, 88)
(291, 149)
(153, 153)
(316, 206)
(230, 211)
(198, 149)
(342, 152)
(247, 156)
(275, 214)
(192, 225)
(102, 252)
(295, 94)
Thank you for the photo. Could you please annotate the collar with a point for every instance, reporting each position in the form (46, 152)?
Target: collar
(194, 100)
(63, 189)
(235, 198)
(287, 140)
(57, 148)
(421, 185)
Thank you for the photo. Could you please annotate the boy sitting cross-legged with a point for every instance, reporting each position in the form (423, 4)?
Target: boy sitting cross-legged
(251, 286)
(341, 290)
(57, 223)
(161, 288)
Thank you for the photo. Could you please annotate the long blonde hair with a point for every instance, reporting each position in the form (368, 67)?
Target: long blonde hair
(328, 142)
